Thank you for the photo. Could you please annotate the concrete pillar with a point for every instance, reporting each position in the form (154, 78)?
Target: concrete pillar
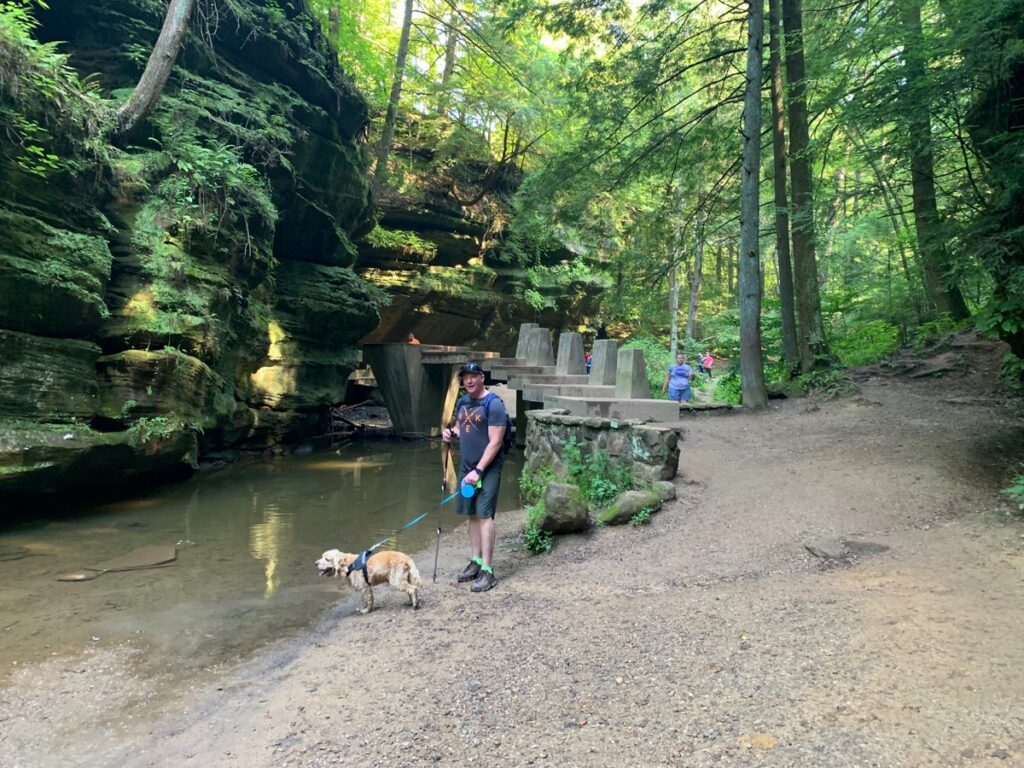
(631, 376)
(524, 339)
(419, 397)
(604, 362)
(570, 355)
(521, 408)
(538, 349)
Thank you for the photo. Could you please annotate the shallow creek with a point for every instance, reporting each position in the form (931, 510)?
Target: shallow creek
(246, 536)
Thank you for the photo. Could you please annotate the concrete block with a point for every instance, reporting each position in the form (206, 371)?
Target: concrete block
(543, 392)
(538, 350)
(570, 354)
(524, 339)
(604, 361)
(518, 382)
(616, 408)
(631, 375)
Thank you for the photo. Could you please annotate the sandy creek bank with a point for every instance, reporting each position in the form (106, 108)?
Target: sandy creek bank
(711, 636)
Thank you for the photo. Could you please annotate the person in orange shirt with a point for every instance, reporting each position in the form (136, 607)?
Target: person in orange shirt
(412, 339)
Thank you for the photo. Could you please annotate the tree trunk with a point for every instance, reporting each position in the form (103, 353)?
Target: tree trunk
(334, 23)
(698, 266)
(751, 363)
(730, 267)
(790, 348)
(673, 309)
(930, 239)
(810, 328)
(381, 172)
(896, 216)
(451, 47)
(154, 77)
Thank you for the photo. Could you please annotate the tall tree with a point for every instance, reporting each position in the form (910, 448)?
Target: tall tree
(451, 48)
(158, 69)
(790, 347)
(673, 308)
(931, 241)
(388, 134)
(695, 276)
(674, 278)
(810, 328)
(751, 361)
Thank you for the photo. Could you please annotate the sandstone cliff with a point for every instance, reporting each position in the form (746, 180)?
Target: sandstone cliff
(192, 291)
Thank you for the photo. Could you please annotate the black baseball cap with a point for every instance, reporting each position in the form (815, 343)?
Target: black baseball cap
(471, 367)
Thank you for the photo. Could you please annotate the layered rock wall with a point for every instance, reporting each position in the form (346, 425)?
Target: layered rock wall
(440, 255)
(192, 290)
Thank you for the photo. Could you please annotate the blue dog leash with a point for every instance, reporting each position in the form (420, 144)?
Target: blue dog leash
(360, 562)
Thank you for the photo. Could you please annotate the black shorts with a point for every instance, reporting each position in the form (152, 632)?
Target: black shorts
(484, 502)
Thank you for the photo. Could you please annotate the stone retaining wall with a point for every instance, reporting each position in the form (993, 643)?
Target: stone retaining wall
(652, 453)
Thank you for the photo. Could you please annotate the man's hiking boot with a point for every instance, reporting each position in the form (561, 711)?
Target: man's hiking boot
(470, 572)
(483, 582)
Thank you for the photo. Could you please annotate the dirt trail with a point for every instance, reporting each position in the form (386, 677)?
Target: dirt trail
(710, 637)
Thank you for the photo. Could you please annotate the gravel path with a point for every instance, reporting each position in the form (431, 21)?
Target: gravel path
(712, 636)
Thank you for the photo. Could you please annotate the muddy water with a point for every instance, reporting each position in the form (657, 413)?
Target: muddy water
(246, 539)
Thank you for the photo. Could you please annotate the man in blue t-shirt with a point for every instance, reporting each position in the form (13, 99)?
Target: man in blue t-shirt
(480, 431)
(677, 380)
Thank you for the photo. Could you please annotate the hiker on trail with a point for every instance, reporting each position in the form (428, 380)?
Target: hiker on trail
(412, 339)
(588, 360)
(480, 419)
(677, 380)
(707, 362)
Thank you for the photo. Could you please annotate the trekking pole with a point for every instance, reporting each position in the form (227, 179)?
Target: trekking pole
(446, 451)
(437, 551)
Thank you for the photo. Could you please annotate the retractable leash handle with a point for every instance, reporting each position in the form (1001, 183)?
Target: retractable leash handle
(469, 491)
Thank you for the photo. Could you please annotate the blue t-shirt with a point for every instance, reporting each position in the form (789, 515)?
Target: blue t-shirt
(679, 376)
(473, 434)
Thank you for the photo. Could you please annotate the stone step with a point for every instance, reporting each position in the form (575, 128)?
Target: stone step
(520, 381)
(542, 393)
(615, 408)
(506, 372)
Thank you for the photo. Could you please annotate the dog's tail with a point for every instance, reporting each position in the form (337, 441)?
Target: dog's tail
(414, 575)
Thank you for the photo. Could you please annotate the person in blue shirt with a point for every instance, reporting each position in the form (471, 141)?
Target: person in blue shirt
(677, 380)
(480, 430)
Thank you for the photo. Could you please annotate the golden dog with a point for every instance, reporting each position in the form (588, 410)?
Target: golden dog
(394, 568)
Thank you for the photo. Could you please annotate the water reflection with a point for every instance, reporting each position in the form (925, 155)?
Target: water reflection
(265, 543)
(247, 538)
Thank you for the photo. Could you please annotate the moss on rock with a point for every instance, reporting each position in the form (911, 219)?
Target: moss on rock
(52, 281)
(52, 458)
(47, 379)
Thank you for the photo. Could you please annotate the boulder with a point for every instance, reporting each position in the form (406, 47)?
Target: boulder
(665, 489)
(564, 509)
(627, 505)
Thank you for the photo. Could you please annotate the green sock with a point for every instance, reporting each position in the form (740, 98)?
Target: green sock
(478, 560)
(487, 568)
